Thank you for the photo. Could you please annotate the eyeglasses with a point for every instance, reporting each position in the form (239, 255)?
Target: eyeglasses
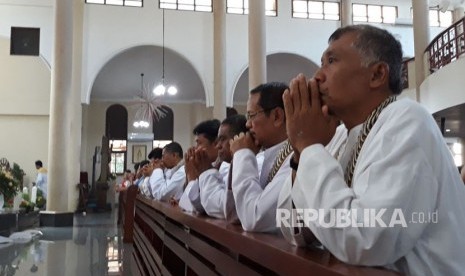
(251, 115)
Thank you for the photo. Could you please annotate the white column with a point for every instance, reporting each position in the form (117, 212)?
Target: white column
(74, 108)
(257, 43)
(346, 13)
(219, 59)
(458, 13)
(61, 94)
(421, 37)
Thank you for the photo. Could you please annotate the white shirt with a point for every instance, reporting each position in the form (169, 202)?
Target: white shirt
(144, 187)
(255, 200)
(165, 188)
(404, 164)
(213, 186)
(41, 181)
(190, 199)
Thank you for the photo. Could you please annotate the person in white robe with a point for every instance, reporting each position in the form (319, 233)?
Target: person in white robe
(144, 186)
(387, 157)
(205, 141)
(42, 178)
(255, 190)
(155, 156)
(213, 183)
(166, 187)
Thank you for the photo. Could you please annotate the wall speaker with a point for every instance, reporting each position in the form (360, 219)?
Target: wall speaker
(25, 41)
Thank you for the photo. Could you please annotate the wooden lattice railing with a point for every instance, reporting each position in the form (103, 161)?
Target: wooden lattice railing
(447, 47)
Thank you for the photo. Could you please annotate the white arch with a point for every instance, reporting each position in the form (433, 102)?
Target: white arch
(120, 51)
(230, 99)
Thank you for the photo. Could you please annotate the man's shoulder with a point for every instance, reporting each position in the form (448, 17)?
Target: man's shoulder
(405, 110)
(42, 170)
(407, 106)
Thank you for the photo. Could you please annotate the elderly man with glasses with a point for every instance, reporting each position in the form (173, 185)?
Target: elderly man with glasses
(256, 185)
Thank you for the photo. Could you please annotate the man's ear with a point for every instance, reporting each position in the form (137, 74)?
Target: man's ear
(278, 117)
(379, 75)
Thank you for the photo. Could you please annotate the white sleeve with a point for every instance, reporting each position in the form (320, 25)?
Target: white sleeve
(393, 173)
(184, 201)
(156, 181)
(194, 196)
(40, 180)
(285, 218)
(212, 193)
(171, 187)
(41, 183)
(256, 207)
(144, 187)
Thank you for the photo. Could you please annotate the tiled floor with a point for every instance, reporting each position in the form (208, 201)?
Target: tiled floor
(92, 247)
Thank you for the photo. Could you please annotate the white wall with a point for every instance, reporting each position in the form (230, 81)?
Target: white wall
(29, 13)
(24, 110)
(24, 140)
(25, 83)
(106, 35)
(25, 86)
(103, 29)
(444, 88)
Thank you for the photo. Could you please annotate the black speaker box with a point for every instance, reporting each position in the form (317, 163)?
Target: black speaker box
(25, 41)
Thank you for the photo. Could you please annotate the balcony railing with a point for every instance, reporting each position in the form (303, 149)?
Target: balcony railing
(405, 78)
(447, 46)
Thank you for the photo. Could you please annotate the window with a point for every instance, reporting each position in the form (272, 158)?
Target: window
(440, 19)
(315, 9)
(161, 143)
(116, 122)
(116, 129)
(129, 3)
(456, 150)
(242, 7)
(374, 13)
(163, 128)
(118, 156)
(187, 5)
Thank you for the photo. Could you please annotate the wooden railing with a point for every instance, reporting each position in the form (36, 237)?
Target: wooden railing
(448, 46)
(126, 212)
(168, 241)
(405, 78)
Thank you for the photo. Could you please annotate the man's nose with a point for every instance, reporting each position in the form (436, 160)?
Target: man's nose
(319, 76)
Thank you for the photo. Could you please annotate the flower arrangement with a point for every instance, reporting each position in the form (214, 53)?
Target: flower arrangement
(26, 203)
(8, 184)
(40, 201)
(18, 174)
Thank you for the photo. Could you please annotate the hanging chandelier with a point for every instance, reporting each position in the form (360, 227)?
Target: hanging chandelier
(150, 107)
(161, 89)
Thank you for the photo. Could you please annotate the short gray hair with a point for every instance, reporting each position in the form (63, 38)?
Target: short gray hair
(374, 45)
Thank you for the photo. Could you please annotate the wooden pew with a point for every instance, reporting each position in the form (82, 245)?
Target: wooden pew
(168, 241)
(126, 212)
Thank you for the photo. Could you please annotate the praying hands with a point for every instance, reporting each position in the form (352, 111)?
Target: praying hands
(308, 120)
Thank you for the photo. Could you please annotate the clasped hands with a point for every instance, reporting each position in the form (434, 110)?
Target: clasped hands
(196, 162)
(308, 121)
(244, 141)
